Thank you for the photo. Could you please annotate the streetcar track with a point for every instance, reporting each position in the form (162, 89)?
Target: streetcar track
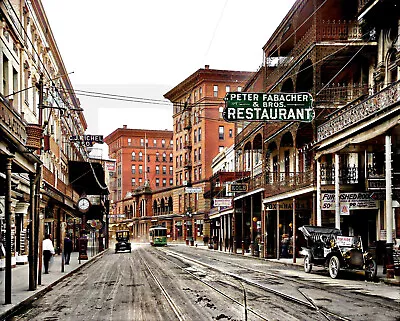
(295, 279)
(214, 288)
(169, 299)
(308, 303)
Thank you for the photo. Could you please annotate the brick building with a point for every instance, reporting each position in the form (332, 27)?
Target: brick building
(197, 117)
(143, 158)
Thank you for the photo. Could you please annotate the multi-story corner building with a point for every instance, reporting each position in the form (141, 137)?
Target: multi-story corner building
(39, 113)
(143, 158)
(199, 134)
(341, 55)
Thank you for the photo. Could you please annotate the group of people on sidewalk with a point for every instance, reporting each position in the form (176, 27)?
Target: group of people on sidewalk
(48, 251)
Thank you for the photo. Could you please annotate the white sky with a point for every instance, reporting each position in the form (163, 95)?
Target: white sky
(143, 48)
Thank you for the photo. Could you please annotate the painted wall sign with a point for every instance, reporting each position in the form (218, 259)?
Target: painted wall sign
(287, 205)
(348, 202)
(241, 106)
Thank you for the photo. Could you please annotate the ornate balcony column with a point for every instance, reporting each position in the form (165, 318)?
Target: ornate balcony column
(277, 231)
(318, 205)
(389, 207)
(337, 192)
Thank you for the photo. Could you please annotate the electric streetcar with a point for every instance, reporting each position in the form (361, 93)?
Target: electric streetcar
(158, 235)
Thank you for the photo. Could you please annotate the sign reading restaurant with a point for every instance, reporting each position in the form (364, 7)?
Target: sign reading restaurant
(241, 106)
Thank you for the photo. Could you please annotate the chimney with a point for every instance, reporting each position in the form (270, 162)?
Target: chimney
(124, 126)
(207, 66)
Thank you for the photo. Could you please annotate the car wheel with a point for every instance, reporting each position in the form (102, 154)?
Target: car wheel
(370, 270)
(307, 264)
(334, 266)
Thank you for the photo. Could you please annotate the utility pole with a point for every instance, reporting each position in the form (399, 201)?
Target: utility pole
(38, 237)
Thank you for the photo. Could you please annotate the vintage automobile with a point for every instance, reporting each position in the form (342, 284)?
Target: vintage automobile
(123, 243)
(327, 247)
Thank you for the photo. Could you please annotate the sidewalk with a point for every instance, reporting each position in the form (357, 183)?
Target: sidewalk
(20, 294)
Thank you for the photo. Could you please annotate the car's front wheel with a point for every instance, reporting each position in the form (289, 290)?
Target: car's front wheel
(334, 266)
(307, 264)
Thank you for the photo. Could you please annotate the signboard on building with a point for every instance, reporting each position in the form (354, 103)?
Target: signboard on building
(241, 106)
(87, 140)
(222, 202)
(236, 187)
(110, 166)
(193, 190)
(348, 202)
(287, 205)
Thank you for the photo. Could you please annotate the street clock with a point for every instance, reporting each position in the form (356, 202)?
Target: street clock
(83, 204)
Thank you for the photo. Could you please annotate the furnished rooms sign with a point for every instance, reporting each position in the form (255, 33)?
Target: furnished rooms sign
(240, 106)
(348, 202)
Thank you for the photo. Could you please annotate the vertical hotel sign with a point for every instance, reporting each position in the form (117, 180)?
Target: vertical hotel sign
(241, 106)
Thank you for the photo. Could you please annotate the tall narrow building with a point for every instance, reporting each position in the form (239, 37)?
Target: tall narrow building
(199, 133)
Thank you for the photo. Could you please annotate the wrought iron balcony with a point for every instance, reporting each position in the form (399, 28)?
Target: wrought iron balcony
(347, 175)
(341, 93)
(281, 182)
(354, 114)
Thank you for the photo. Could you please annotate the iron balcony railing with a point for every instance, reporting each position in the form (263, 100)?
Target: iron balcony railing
(281, 182)
(347, 175)
(354, 114)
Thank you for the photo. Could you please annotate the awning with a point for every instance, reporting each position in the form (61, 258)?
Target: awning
(87, 178)
(217, 215)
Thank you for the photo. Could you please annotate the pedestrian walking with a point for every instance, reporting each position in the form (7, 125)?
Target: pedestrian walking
(48, 252)
(67, 249)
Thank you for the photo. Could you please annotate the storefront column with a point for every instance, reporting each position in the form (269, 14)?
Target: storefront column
(251, 225)
(294, 231)
(233, 234)
(7, 209)
(389, 207)
(32, 280)
(277, 232)
(337, 192)
(318, 205)
(263, 232)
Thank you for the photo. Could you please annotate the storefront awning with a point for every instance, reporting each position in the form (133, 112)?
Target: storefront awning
(217, 215)
(87, 178)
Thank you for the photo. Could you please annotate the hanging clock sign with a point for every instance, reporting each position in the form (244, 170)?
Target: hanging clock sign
(83, 204)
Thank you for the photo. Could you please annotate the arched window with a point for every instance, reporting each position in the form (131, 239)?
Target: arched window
(133, 156)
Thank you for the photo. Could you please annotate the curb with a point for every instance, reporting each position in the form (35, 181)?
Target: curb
(9, 313)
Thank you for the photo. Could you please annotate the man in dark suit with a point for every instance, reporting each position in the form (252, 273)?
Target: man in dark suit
(67, 249)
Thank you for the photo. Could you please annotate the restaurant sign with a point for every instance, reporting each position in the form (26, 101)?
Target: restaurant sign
(241, 106)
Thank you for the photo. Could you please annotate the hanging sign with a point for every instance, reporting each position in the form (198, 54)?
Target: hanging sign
(222, 202)
(241, 106)
(87, 140)
(193, 190)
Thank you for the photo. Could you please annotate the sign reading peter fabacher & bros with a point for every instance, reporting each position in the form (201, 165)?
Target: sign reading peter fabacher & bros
(243, 106)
